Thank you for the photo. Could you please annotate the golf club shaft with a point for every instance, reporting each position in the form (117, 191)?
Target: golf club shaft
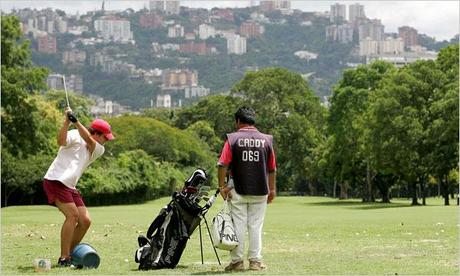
(65, 89)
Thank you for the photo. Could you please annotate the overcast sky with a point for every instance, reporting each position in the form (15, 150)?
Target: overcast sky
(439, 19)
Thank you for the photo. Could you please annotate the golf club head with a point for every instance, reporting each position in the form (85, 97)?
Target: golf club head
(198, 177)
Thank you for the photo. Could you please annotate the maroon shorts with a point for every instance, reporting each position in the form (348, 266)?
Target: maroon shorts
(56, 190)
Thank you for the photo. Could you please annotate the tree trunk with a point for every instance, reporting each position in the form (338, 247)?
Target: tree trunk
(344, 190)
(422, 190)
(312, 188)
(367, 191)
(445, 193)
(385, 195)
(413, 186)
(334, 190)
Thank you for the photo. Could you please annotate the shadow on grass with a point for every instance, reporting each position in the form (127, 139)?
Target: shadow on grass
(360, 205)
(26, 269)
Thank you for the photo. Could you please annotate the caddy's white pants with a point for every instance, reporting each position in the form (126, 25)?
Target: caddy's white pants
(248, 213)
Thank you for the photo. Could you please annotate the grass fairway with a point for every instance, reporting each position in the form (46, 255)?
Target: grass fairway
(302, 235)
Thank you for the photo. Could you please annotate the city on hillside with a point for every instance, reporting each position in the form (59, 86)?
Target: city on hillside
(167, 55)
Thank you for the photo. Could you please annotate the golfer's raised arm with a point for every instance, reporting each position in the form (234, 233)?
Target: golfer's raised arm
(62, 135)
(84, 133)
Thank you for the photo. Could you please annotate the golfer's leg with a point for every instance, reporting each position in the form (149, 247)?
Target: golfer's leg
(239, 215)
(70, 212)
(84, 222)
(256, 214)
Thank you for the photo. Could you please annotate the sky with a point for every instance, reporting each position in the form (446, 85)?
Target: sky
(439, 19)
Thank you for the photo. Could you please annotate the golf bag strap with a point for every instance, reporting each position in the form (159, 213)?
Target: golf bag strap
(158, 221)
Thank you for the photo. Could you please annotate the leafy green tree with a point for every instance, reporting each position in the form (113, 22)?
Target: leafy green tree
(348, 161)
(217, 110)
(19, 80)
(443, 132)
(131, 177)
(206, 133)
(22, 178)
(22, 175)
(399, 121)
(159, 140)
(286, 108)
(165, 115)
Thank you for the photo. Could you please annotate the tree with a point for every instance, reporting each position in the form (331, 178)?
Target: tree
(19, 80)
(399, 121)
(206, 133)
(286, 108)
(349, 162)
(443, 132)
(159, 140)
(217, 110)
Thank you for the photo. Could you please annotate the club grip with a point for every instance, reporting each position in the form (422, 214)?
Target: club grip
(72, 117)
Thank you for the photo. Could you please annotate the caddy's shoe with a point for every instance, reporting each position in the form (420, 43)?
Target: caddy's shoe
(238, 266)
(64, 262)
(256, 266)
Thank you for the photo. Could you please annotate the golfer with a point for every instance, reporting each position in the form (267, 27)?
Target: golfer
(78, 148)
(250, 157)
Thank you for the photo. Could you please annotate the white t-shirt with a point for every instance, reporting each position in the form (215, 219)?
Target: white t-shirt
(72, 160)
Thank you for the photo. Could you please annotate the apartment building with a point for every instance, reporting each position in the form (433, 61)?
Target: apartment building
(179, 78)
(114, 29)
(236, 44)
(176, 31)
(167, 7)
(251, 29)
(205, 31)
(73, 57)
(409, 35)
(47, 44)
(338, 13)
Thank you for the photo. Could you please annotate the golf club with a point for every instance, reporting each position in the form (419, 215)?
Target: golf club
(65, 89)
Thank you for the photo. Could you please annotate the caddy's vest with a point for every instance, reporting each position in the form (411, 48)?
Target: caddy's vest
(250, 152)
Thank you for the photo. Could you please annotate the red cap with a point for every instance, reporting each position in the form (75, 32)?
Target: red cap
(104, 127)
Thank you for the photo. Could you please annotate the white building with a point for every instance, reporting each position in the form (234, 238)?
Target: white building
(50, 27)
(236, 45)
(341, 33)
(166, 6)
(306, 55)
(195, 91)
(391, 45)
(176, 31)
(399, 60)
(163, 101)
(206, 31)
(102, 107)
(368, 47)
(55, 82)
(61, 25)
(355, 12)
(226, 33)
(338, 13)
(74, 83)
(114, 29)
(371, 28)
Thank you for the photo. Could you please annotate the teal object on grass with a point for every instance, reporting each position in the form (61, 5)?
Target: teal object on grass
(85, 256)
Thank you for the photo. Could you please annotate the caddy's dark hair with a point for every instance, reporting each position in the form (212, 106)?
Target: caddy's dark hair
(246, 115)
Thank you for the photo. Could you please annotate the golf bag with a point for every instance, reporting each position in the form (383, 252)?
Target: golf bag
(169, 232)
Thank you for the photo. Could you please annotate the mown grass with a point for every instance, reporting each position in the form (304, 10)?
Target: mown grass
(302, 235)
